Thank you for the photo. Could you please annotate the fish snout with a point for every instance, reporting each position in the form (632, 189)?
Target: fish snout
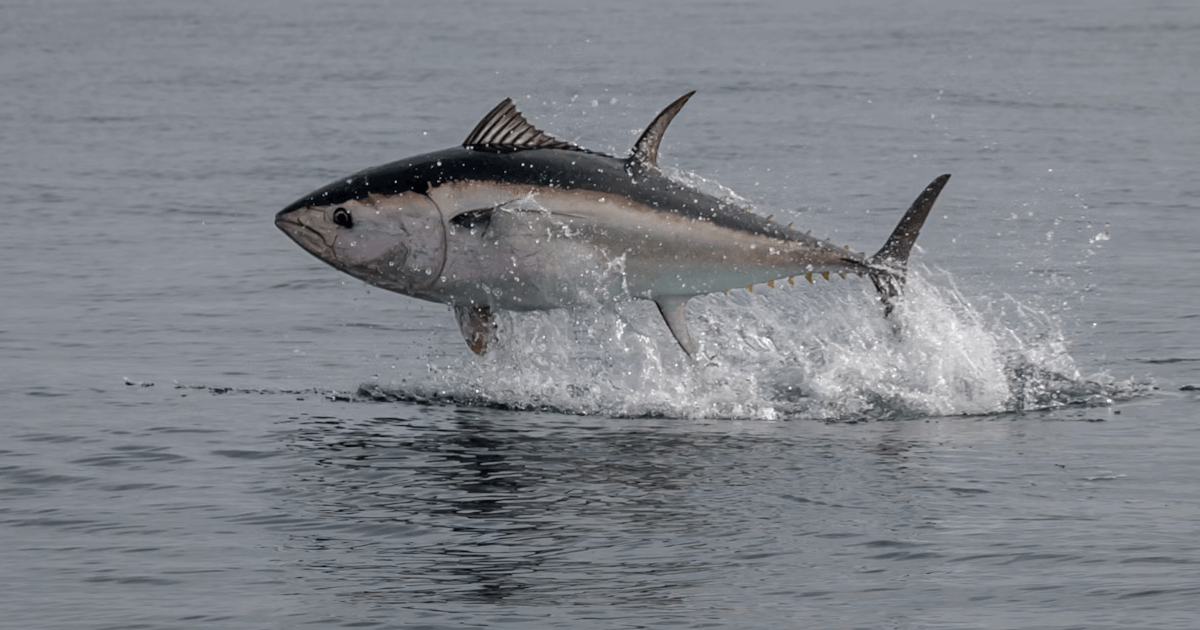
(303, 225)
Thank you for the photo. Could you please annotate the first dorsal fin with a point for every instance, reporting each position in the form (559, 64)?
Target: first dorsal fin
(645, 150)
(505, 129)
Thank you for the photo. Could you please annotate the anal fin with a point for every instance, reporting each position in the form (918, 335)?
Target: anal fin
(478, 327)
(673, 312)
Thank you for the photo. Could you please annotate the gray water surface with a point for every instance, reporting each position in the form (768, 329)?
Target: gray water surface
(205, 427)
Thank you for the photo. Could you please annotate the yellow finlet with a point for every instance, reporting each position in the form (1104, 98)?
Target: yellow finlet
(792, 280)
(808, 276)
(771, 283)
(825, 274)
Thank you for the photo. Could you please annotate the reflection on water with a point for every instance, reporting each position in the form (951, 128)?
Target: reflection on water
(459, 505)
(398, 513)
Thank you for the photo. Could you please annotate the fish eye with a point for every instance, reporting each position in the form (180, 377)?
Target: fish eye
(341, 216)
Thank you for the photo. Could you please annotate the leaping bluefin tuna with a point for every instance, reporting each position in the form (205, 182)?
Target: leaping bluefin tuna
(515, 219)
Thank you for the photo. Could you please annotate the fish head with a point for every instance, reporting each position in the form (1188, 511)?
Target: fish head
(395, 241)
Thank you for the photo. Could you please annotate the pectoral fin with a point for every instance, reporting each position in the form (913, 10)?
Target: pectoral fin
(473, 219)
(673, 312)
(478, 327)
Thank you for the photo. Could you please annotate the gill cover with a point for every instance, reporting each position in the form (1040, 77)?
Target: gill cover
(401, 242)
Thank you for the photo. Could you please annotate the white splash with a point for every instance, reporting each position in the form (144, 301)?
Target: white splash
(789, 352)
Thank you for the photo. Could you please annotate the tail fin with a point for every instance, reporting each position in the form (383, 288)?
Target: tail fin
(892, 260)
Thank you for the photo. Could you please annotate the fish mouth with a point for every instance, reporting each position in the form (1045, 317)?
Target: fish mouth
(292, 223)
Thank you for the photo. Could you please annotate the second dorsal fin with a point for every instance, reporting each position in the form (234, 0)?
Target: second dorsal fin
(505, 129)
(645, 150)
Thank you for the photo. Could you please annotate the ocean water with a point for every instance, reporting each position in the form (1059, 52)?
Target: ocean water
(205, 427)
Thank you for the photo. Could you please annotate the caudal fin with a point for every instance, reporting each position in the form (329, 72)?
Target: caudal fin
(891, 261)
